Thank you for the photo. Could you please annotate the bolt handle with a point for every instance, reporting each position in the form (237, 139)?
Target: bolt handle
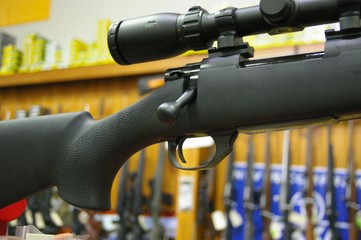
(168, 112)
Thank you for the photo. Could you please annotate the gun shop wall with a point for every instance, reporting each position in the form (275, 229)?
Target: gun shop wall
(58, 62)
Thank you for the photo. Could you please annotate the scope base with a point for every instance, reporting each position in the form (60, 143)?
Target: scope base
(342, 34)
(244, 50)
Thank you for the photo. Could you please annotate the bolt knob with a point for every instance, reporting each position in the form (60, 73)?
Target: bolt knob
(169, 112)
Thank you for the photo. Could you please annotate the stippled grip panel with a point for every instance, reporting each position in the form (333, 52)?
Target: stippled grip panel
(87, 170)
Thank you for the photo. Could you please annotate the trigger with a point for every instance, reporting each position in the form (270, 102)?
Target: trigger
(224, 146)
(172, 151)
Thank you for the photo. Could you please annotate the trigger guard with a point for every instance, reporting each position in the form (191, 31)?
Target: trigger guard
(224, 146)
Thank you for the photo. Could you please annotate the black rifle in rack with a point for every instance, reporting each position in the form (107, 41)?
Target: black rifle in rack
(265, 199)
(125, 198)
(220, 96)
(350, 198)
(205, 204)
(202, 202)
(228, 198)
(77, 226)
(210, 232)
(158, 231)
(308, 181)
(330, 203)
(285, 194)
(137, 230)
(249, 193)
(158, 197)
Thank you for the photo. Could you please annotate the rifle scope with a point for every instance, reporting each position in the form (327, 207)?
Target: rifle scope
(167, 35)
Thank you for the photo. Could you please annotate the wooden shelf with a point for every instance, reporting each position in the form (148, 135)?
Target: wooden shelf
(115, 70)
(95, 72)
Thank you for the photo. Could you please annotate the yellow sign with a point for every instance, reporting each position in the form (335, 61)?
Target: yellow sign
(23, 11)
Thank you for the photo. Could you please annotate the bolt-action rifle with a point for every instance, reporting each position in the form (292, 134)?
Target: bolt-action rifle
(330, 203)
(222, 95)
(205, 204)
(124, 203)
(130, 199)
(229, 196)
(350, 198)
(307, 190)
(137, 230)
(158, 231)
(265, 198)
(285, 194)
(249, 193)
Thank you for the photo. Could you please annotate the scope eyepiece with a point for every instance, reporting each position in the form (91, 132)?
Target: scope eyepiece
(158, 36)
(145, 39)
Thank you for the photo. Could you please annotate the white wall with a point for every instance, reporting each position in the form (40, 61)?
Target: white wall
(79, 17)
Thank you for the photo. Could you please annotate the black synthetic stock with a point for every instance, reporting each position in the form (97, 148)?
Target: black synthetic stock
(77, 154)
(30, 152)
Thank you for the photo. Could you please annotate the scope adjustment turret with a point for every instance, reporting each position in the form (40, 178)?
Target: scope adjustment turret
(275, 10)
